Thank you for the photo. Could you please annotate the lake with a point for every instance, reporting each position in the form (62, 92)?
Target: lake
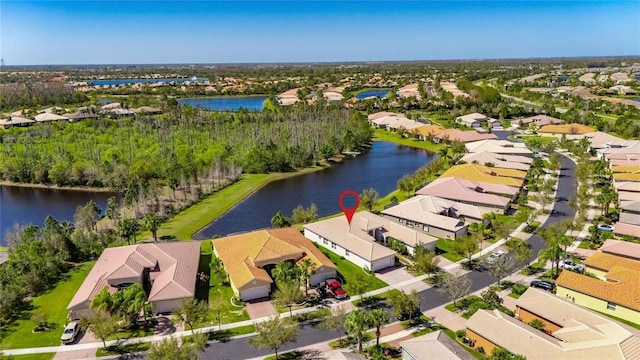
(30, 206)
(143, 81)
(227, 103)
(380, 168)
(381, 93)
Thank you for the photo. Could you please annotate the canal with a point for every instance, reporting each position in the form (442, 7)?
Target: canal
(379, 168)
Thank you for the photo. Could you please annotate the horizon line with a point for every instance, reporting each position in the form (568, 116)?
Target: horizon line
(337, 62)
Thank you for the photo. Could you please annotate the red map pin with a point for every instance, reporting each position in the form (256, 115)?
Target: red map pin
(349, 211)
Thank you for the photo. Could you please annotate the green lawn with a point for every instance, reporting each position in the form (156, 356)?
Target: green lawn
(185, 224)
(218, 294)
(384, 135)
(443, 249)
(54, 303)
(544, 140)
(347, 270)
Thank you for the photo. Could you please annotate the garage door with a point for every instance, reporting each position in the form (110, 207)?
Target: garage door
(166, 306)
(384, 263)
(316, 279)
(254, 293)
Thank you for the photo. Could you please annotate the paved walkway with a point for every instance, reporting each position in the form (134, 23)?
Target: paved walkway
(260, 309)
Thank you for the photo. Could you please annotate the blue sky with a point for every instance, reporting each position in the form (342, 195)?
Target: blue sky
(112, 32)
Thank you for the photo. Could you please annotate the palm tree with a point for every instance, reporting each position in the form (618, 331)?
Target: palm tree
(136, 298)
(307, 268)
(553, 252)
(152, 222)
(285, 272)
(357, 323)
(379, 319)
(102, 301)
(280, 221)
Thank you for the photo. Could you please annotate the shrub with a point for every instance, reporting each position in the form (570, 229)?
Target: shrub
(518, 289)
(460, 334)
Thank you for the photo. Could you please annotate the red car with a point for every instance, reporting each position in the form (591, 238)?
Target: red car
(335, 288)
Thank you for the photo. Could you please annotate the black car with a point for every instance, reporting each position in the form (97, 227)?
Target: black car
(542, 285)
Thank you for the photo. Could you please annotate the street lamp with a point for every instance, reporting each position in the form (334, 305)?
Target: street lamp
(218, 318)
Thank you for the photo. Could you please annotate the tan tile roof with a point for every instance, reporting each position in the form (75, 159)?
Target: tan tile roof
(539, 120)
(243, 255)
(479, 173)
(458, 189)
(426, 130)
(355, 237)
(584, 335)
(627, 186)
(498, 147)
(627, 177)
(465, 136)
(497, 160)
(567, 129)
(629, 218)
(621, 228)
(623, 291)
(605, 262)
(426, 209)
(626, 169)
(177, 263)
(621, 248)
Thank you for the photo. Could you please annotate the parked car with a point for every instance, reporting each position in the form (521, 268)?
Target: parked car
(542, 285)
(570, 265)
(496, 255)
(70, 332)
(605, 227)
(334, 287)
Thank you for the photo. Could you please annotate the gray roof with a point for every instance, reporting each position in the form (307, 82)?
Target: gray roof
(436, 345)
(629, 218)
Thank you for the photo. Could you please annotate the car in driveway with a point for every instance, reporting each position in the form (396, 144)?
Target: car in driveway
(605, 228)
(545, 285)
(570, 265)
(334, 288)
(70, 332)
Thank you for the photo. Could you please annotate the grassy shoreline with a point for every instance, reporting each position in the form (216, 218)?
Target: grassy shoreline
(56, 187)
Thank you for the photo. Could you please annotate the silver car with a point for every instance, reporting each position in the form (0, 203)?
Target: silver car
(70, 332)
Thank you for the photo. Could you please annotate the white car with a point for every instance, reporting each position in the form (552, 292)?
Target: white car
(496, 255)
(570, 265)
(70, 332)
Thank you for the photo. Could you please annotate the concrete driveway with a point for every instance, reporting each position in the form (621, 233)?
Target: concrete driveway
(394, 275)
(84, 337)
(257, 309)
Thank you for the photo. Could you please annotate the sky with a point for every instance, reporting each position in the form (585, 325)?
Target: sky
(190, 32)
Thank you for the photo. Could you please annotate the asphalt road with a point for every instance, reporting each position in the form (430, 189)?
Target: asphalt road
(431, 298)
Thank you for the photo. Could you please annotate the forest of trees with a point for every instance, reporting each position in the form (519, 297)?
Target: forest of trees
(186, 145)
(24, 95)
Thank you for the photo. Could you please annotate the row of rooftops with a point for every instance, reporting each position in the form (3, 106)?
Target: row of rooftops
(18, 118)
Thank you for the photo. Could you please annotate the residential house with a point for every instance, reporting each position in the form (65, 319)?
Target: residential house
(434, 216)
(627, 190)
(627, 147)
(621, 249)
(618, 295)
(168, 270)
(486, 196)
(436, 345)
(537, 120)
(629, 221)
(361, 242)
(498, 160)
(147, 110)
(499, 147)
(79, 116)
(473, 120)
(15, 121)
(567, 129)
(249, 259)
(571, 331)
(485, 174)
(600, 263)
(463, 136)
(410, 90)
(630, 177)
(48, 117)
(111, 106)
(597, 139)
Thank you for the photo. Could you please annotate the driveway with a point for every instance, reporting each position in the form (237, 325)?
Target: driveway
(396, 276)
(84, 337)
(259, 308)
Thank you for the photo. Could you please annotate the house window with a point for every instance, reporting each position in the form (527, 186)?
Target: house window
(324, 241)
(611, 306)
(425, 227)
(333, 245)
(347, 253)
(400, 221)
(409, 223)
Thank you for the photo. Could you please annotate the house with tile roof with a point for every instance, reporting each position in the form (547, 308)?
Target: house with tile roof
(250, 257)
(621, 248)
(473, 120)
(363, 240)
(627, 190)
(169, 269)
(485, 174)
(631, 177)
(571, 331)
(499, 147)
(48, 117)
(537, 120)
(486, 196)
(14, 120)
(435, 216)
(567, 129)
(435, 345)
(498, 160)
(600, 263)
(617, 295)
(463, 136)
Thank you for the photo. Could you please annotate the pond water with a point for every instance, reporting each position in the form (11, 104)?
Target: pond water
(144, 81)
(381, 93)
(30, 206)
(379, 168)
(227, 103)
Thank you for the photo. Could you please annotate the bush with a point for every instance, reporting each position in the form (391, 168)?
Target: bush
(473, 307)
(460, 334)
(518, 289)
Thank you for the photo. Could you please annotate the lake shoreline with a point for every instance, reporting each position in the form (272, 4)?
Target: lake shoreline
(56, 187)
